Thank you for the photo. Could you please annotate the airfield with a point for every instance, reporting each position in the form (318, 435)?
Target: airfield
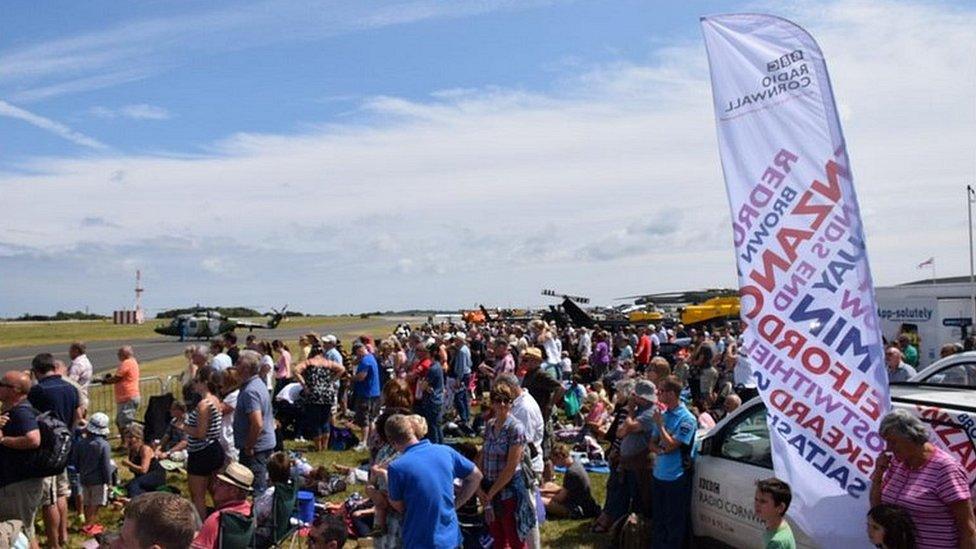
(150, 347)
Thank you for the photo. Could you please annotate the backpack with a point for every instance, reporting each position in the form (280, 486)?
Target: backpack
(631, 532)
(571, 402)
(51, 457)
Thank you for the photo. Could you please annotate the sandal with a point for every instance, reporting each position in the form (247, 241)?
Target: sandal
(598, 528)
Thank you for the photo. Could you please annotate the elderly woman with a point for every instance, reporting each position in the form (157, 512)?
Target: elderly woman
(925, 480)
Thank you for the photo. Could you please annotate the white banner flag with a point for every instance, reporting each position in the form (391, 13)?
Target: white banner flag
(811, 334)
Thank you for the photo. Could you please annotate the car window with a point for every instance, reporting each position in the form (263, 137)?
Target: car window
(957, 374)
(747, 439)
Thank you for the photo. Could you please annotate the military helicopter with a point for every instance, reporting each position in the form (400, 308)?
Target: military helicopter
(204, 324)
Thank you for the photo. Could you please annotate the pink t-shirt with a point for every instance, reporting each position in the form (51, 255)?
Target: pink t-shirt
(282, 369)
(596, 413)
(926, 494)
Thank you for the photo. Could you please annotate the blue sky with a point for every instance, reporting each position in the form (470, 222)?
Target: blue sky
(348, 156)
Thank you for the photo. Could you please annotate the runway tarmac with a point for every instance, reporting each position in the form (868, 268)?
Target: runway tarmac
(103, 353)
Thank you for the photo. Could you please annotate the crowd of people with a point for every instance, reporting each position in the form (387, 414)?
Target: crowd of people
(464, 428)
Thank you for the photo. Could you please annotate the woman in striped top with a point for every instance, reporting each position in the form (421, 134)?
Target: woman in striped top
(203, 426)
(926, 481)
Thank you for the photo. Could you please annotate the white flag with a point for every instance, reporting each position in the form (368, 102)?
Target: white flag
(808, 304)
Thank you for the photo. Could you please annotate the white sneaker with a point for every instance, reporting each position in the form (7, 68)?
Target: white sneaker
(360, 448)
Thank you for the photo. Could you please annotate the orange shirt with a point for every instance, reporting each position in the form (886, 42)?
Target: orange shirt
(127, 388)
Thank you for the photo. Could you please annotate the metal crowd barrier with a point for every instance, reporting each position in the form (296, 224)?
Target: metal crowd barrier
(101, 397)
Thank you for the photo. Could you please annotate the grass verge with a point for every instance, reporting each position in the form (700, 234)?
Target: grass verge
(17, 334)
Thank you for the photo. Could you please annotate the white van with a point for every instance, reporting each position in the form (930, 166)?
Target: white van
(736, 453)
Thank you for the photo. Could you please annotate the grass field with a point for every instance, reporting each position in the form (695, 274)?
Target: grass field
(563, 533)
(17, 334)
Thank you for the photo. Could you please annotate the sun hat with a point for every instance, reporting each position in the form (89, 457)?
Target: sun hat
(98, 424)
(330, 339)
(237, 475)
(532, 352)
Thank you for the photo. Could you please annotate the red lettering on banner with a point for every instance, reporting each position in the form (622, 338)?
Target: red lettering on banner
(831, 190)
(771, 261)
(964, 451)
(757, 297)
(783, 159)
(789, 239)
(815, 424)
(816, 360)
(792, 340)
(798, 411)
(803, 207)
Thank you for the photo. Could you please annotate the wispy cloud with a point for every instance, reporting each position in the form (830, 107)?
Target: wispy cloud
(138, 49)
(135, 112)
(98, 222)
(57, 128)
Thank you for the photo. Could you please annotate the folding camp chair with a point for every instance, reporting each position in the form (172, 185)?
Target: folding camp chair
(278, 527)
(236, 531)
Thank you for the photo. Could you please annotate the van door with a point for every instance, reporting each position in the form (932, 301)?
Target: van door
(725, 479)
(733, 457)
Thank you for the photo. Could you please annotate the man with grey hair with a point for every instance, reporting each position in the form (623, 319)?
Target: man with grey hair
(898, 370)
(254, 434)
(421, 486)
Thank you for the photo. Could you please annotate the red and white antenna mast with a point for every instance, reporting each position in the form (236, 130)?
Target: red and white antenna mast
(139, 290)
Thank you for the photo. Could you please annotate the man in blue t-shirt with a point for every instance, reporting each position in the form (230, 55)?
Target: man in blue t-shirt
(673, 440)
(366, 389)
(254, 433)
(421, 486)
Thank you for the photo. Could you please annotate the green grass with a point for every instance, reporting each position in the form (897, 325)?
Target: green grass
(562, 533)
(17, 334)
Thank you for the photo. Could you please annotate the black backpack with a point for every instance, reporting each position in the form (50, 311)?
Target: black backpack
(51, 458)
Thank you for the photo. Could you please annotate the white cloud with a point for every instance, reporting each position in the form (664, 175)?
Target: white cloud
(140, 111)
(57, 128)
(609, 186)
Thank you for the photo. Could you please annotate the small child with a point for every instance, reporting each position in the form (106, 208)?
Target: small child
(94, 458)
(773, 498)
(173, 444)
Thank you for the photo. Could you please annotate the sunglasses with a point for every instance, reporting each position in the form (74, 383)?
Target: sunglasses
(500, 400)
(5, 384)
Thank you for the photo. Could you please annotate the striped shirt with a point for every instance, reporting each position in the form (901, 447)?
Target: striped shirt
(926, 494)
(214, 430)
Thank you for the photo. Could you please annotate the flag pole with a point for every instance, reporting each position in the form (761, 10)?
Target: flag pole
(933, 271)
(970, 195)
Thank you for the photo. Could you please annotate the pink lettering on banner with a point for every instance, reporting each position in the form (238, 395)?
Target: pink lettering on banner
(813, 358)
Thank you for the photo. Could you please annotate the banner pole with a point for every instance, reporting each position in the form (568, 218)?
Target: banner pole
(970, 194)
